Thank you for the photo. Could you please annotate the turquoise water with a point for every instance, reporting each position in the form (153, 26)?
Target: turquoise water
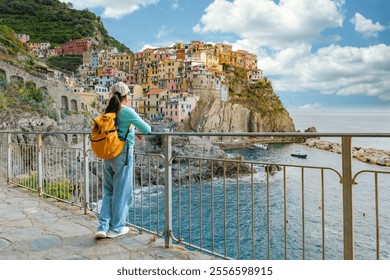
(194, 204)
(194, 223)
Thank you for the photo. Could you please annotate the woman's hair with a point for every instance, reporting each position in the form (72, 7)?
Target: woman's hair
(115, 103)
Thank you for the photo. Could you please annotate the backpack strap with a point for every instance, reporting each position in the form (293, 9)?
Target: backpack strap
(125, 139)
(127, 148)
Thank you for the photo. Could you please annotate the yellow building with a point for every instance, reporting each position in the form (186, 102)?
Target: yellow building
(152, 102)
(224, 58)
(123, 61)
(211, 58)
(168, 69)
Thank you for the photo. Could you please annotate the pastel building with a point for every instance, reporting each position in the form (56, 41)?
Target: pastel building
(123, 62)
(24, 38)
(255, 76)
(179, 107)
(74, 47)
(101, 98)
(152, 102)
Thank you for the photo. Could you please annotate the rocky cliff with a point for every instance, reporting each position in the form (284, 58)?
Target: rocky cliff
(249, 108)
(214, 115)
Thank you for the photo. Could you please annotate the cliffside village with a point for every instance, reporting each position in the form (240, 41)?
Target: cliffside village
(165, 82)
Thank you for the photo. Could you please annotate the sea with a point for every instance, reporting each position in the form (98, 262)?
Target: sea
(205, 214)
(334, 121)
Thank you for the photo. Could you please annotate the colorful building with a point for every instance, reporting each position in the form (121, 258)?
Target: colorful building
(74, 47)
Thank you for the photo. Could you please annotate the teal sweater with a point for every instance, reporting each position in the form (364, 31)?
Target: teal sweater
(127, 116)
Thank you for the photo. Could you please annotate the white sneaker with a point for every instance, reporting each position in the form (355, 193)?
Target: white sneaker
(100, 234)
(113, 234)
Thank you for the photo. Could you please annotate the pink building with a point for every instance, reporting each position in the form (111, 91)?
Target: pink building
(179, 108)
(170, 85)
(74, 47)
(24, 38)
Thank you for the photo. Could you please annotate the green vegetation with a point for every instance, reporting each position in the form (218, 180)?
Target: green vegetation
(53, 21)
(258, 97)
(24, 98)
(9, 45)
(69, 62)
(30, 182)
(60, 189)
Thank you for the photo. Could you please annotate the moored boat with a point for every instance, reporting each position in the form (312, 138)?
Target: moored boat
(299, 154)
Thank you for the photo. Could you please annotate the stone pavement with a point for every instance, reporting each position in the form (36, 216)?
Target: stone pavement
(33, 228)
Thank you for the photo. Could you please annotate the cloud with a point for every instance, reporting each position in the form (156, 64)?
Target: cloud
(163, 32)
(366, 26)
(310, 106)
(113, 8)
(331, 70)
(269, 24)
(175, 4)
(282, 34)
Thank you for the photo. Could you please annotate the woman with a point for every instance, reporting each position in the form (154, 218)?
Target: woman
(118, 172)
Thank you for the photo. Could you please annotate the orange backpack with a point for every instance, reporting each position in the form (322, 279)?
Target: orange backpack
(105, 141)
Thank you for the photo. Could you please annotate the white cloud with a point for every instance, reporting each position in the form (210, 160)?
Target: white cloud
(162, 32)
(112, 8)
(147, 46)
(175, 4)
(270, 24)
(366, 26)
(331, 70)
(310, 106)
(282, 34)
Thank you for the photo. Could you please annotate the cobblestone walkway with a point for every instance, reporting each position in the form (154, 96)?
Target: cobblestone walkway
(33, 228)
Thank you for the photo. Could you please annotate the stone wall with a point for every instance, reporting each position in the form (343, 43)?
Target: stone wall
(64, 99)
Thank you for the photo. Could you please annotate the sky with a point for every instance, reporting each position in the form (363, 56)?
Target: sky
(319, 54)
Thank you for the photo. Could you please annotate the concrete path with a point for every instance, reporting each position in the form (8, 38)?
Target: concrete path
(33, 228)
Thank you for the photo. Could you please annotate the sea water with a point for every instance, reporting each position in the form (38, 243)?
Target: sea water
(347, 121)
(205, 214)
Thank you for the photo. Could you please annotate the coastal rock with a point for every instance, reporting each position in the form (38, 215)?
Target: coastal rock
(367, 155)
(311, 129)
(191, 163)
(215, 115)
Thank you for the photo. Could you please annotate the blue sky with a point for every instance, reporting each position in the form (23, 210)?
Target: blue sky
(319, 54)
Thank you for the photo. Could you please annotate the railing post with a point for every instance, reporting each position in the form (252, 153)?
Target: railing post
(9, 159)
(167, 142)
(40, 170)
(86, 174)
(347, 197)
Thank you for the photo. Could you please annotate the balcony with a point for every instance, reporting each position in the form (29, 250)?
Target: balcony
(227, 207)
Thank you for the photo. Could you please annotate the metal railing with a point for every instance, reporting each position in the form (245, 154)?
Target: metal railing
(231, 208)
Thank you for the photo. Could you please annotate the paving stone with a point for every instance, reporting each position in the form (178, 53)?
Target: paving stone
(13, 215)
(37, 228)
(17, 234)
(4, 243)
(167, 255)
(45, 217)
(69, 229)
(136, 242)
(14, 255)
(44, 243)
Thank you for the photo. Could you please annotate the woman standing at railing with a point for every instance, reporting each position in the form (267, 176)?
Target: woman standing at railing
(118, 172)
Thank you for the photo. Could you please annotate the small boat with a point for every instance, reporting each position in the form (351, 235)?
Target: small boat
(261, 146)
(298, 154)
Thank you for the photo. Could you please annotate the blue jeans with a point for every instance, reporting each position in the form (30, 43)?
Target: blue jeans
(117, 191)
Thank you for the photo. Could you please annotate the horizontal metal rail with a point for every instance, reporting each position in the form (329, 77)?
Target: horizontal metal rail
(230, 208)
(240, 189)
